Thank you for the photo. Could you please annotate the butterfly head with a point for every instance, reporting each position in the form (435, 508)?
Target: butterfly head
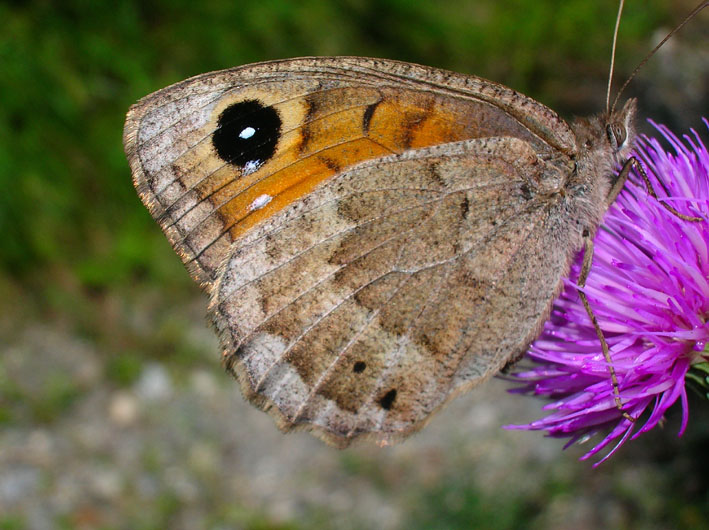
(612, 134)
(602, 141)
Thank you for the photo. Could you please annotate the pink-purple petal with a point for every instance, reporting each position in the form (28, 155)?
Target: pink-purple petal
(649, 287)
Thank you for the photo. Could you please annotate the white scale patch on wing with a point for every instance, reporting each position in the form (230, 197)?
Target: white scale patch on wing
(259, 202)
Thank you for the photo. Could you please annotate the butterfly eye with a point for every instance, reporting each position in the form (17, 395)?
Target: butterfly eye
(616, 135)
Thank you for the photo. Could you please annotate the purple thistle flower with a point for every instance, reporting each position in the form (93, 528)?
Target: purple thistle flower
(649, 289)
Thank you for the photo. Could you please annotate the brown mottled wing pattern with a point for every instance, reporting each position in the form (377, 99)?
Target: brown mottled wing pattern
(390, 289)
(366, 259)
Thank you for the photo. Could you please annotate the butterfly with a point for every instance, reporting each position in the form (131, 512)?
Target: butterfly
(375, 237)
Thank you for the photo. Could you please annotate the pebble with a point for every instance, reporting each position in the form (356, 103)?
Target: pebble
(123, 408)
(154, 383)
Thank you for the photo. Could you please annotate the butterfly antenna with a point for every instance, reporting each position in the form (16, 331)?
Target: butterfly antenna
(615, 40)
(689, 17)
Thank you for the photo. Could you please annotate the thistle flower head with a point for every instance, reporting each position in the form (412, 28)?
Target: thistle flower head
(649, 290)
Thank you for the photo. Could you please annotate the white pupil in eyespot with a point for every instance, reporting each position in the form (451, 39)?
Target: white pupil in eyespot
(247, 133)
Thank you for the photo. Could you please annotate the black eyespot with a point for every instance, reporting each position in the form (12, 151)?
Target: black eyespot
(359, 367)
(387, 400)
(247, 134)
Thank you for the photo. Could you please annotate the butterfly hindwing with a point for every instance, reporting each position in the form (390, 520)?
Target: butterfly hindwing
(364, 308)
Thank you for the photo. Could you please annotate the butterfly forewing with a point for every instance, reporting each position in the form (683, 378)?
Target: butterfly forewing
(312, 118)
(365, 228)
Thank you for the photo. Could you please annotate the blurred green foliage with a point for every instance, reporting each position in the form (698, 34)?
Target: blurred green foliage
(71, 69)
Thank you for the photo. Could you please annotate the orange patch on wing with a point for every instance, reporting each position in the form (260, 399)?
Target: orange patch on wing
(402, 123)
(293, 182)
(333, 139)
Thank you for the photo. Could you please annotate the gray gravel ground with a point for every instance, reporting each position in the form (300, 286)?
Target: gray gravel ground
(178, 447)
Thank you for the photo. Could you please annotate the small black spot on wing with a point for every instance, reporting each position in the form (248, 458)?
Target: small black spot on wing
(359, 367)
(387, 400)
(367, 118)
(331, 163)
(526, 191)
(311, 105)
(247, 133)
(464, 207)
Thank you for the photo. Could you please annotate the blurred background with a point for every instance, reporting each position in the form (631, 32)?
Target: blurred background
(114, 409)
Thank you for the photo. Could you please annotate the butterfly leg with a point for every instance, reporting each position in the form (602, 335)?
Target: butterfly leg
(585, 269)
(623, 176)
(588, 257)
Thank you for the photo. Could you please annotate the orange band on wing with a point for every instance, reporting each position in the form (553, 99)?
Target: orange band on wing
(293, 182)
(326, 132)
